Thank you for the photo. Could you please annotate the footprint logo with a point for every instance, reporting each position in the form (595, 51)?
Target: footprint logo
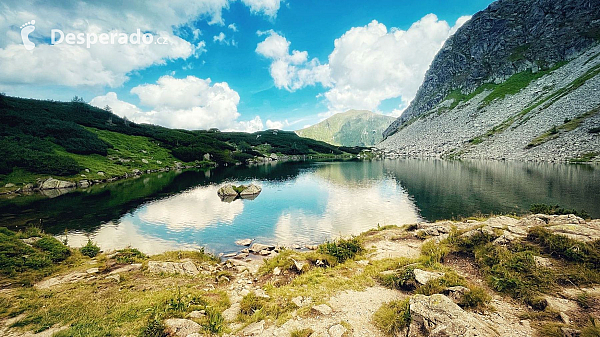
(27, 29)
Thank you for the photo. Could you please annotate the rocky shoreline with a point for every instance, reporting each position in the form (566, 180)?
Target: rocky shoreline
(265, 290)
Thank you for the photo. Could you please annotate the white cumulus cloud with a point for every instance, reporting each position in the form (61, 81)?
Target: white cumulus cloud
(293, 70)
(368, 64)
(266, 7)
(75, 65)
(186, 103)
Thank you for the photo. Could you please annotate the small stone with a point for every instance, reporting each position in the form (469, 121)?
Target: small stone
(298, 265)
(337, 330)
(231, 313)
(422, 276)
(145, 161)
(229, 255)
(254, 329)
(568, 332)
(261, 293)
(322, 309)
(92, 270)
(258, 247)
(298, 301)
(114, 277)
(565, 318)
(276, 271)
(542, 261)
(196, 314)
(182, 327)
(244, 242)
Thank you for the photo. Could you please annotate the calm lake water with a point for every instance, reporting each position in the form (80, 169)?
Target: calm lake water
(302, 202)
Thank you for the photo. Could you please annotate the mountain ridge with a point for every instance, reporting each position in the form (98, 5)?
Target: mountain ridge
(507, 86)
(506, 38)
(350, 128)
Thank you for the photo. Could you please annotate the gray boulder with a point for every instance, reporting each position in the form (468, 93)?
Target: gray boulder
(183, 268)
(180, 327)
(51, 183)
(227, 191)
(438, 316)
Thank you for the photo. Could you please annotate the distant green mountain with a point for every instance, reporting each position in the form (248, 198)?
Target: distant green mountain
(351, 128)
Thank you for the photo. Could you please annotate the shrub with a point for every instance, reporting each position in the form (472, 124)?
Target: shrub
(302, 333)
(476, 297)
(154, 328)
(393, 317)
(434, 252)
(342, 250)
(56, 250)
(251, 304)
(556, 210)
(566, 248)
(129, 255)
(437, 286)
(215, 323)
(514, 273)
(403, 279)
(592, 329)
(90, 249)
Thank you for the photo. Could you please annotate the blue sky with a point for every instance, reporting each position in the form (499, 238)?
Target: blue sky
(290, 73)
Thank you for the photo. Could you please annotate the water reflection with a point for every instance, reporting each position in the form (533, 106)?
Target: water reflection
(300, 202)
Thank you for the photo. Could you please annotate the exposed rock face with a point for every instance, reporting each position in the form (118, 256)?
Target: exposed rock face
(182, 327)
(530, 37)
(508, 37)
(184, 268)
(438, 316)
(423, 276)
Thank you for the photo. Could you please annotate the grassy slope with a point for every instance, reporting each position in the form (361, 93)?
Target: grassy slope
(348, 128)
(42, 138)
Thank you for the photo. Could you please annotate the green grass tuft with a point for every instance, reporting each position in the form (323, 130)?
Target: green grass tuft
(90, 249)
(393, 318)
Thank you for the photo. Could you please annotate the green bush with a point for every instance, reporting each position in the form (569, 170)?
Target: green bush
(566, 248)
(215, 323)
(90, 249)
(402, 279)
(342, 250)
(556, 210)
(434, 251)
(154, 328)
(56, 250)
(302, 333)
(513, 272)
(437, 286)
(393, 317)
(476, 297)
(251, 304)
(592, 329)
(129, 255)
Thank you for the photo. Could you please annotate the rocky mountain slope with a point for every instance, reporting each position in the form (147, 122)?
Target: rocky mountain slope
(518, 81)
(351, 128)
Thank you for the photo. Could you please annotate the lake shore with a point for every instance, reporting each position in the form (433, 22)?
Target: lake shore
(505, 276)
